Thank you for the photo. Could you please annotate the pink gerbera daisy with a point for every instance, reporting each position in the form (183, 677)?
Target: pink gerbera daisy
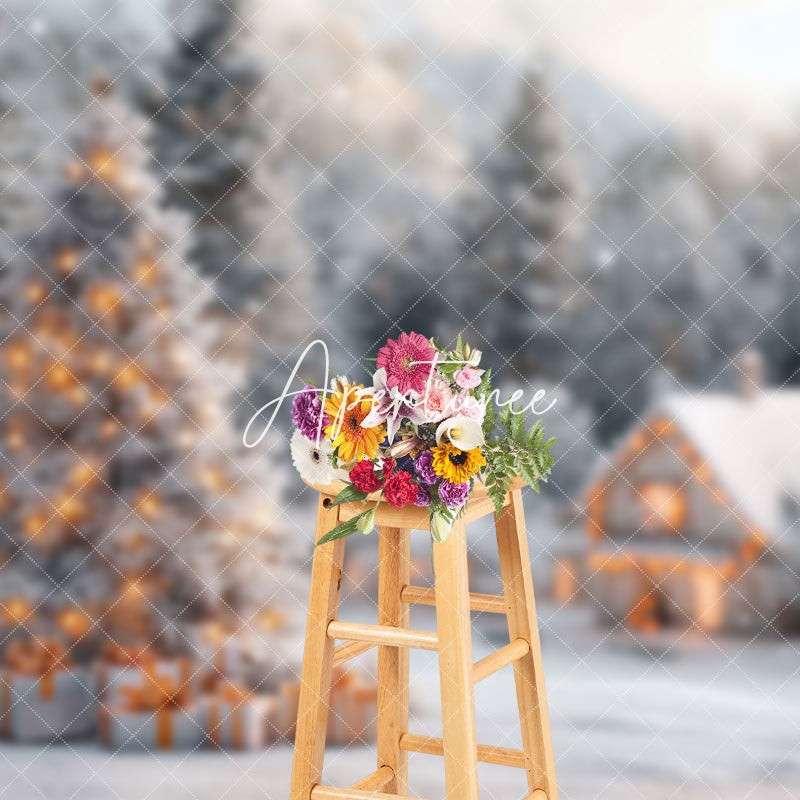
(405, 362)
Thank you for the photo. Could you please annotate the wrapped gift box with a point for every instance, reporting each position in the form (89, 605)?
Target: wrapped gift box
(353, 710)
(121, 667)
(44, 697)
(366, 701)
(154, 715)
(221, 652)
(239, 720)
(341, 716)
(288, 699)
(353, 705)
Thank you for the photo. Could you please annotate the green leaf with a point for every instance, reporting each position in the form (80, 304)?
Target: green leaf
(344, 528)
(348, 495)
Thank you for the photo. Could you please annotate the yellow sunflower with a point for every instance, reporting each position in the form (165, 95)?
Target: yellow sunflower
(346, 410)
(457, 466)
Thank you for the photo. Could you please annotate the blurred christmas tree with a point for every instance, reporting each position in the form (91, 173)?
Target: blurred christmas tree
(128, 505)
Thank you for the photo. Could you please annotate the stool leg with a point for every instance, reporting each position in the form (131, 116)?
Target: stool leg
(455, 665)
(512, 544)
(394, 554)
(315, 684)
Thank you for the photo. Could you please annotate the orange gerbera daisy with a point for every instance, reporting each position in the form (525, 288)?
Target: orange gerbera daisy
(347, 409)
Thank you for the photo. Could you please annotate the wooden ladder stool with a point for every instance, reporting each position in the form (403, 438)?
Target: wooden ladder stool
(392, 636)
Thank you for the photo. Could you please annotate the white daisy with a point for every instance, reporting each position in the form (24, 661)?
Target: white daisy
(312, 462)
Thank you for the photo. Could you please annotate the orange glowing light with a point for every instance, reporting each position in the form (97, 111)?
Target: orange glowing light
(135, 541)
(108, 428)
(71, 508)
(35, 292)
(18, 355)
(59, 377)
(707, 584)
(33, 524)
(66, 260)
(78, 395)
(103, 299)
(81, 473)
(145, 272)
(215, 633)
(15, 439)
(663, 426)
(99, 361)
(664, 505)
(213, 478)
(149, 505)
(270, 620)
(102, 163)
(16, 609)
(74, 622)
(133, 593)
(127, 376)
(702, 473)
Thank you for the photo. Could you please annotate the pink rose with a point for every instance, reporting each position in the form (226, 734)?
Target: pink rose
(467, 378)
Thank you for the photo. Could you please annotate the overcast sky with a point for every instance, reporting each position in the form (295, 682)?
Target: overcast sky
(731, 59)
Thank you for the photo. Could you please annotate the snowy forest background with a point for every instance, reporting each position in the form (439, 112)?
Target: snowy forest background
(347, 171)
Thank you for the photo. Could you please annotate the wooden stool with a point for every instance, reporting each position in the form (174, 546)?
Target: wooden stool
(393, 637)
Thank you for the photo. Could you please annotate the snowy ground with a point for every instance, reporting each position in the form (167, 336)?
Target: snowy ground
(697, 720)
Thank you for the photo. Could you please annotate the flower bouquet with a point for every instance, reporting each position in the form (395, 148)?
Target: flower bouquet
(427, 429)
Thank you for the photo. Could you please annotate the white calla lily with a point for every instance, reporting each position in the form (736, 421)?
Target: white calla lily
(463, 432)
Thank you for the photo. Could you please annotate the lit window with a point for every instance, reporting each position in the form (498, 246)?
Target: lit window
(663, 506)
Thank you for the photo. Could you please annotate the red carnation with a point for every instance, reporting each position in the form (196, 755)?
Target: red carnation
(364, 478)
(388, 467)
(399, 490)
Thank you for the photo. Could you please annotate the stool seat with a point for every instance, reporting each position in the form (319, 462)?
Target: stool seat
(413, 517)
(394, 638)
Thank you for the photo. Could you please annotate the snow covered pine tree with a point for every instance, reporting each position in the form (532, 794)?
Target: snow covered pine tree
(208, 140)
(521, 226)
(130, 514)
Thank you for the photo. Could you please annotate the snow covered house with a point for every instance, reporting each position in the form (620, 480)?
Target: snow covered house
(695, 519)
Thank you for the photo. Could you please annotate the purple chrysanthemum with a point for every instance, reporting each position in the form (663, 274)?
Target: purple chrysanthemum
(423, 496)
(423, 466)
(453, 495)
(306, 411)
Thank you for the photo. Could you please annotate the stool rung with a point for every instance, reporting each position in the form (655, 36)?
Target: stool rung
(383, 634)
(332, 793)
(489, 603)
(375, 781)
(513, 651)
(504, 756)
(344, 652)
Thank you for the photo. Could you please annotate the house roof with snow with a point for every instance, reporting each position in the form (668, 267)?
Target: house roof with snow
(750, 443)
